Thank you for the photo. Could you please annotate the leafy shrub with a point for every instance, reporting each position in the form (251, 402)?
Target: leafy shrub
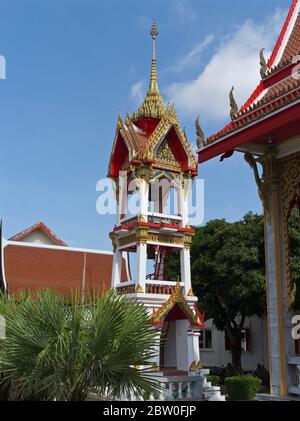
(242, 388)
(214, 380)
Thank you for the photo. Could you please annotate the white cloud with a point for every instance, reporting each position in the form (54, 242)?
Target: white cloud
(138, 91)
(235, 62)
(193, 56)
(184, 12)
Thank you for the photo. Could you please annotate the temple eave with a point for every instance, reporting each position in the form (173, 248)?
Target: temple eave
(276, 128)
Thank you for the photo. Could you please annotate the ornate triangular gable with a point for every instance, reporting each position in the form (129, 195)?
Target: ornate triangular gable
(165, 155)
(166, 124)
(176, 298)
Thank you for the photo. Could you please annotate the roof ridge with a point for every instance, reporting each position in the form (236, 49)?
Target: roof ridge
(42, 226)
(282, 34)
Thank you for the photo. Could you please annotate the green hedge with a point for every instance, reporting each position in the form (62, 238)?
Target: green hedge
(242, 388)
(214, 380)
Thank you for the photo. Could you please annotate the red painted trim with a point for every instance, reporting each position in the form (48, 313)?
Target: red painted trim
(282, 34)
(257, 130)
(279, 75)
(136, 162)
(260, 88)
(273, 78)
(198, 325)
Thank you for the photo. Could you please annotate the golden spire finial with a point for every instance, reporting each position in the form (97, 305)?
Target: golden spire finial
(153, 105)
(153, 87)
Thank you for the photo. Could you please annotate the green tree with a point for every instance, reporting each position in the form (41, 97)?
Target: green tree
(64, 351)
(228, 275)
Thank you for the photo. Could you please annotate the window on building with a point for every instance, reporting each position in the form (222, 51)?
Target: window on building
(205, 340)
(245, 341)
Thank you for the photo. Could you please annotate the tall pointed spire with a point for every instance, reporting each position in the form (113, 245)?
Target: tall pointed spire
(153, 87)
(153, 105)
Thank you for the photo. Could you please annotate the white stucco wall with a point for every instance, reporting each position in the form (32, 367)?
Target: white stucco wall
(170, 347)
(258, 354)
(182, 344)
(38, 236)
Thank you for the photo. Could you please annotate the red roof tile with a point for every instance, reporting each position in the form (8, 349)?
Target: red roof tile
(281, 91)
(293, 46)
(282, 33)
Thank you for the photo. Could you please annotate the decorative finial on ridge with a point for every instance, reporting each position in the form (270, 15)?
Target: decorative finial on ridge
(153, 105)
(234, 109)
(200, 135)
(263, 64)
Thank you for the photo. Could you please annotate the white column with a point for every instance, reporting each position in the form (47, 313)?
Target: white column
(122, 205)
(179, 200)
(182, 345)
(156, 358)
(144, 199)
(116, 269)
(141, 251)
(196, 348)
(185, 265)
(185, 202)
(190, 349)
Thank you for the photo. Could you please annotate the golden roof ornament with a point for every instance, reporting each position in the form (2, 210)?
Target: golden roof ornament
(153, 105)
(234, 109)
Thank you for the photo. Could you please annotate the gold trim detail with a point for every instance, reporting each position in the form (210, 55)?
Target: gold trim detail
(165, 238)
(154, 367)
(289, 173)
(153, 105)
(165, 155)
(139, 289)
(199, 365)
(193, 366)
(176, 298)
(260, 181)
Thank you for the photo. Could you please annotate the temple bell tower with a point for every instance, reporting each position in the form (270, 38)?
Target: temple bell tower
(152, 161)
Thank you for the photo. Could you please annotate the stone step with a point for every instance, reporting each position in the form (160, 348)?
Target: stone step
(266, 397)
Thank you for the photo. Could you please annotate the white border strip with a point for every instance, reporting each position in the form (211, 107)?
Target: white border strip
(4, 243)
(62, 248)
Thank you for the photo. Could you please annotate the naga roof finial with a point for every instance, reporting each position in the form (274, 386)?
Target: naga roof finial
(234, 109)
(200, 134)
(263, 64)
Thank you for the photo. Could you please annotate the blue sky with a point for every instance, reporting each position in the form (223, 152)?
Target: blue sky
(72, 65)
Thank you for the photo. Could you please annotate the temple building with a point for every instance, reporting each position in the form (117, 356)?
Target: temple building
(153, 159)
(37, 258)
(266, 129)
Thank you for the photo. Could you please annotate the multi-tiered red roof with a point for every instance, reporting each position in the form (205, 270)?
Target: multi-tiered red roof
(272, 113)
